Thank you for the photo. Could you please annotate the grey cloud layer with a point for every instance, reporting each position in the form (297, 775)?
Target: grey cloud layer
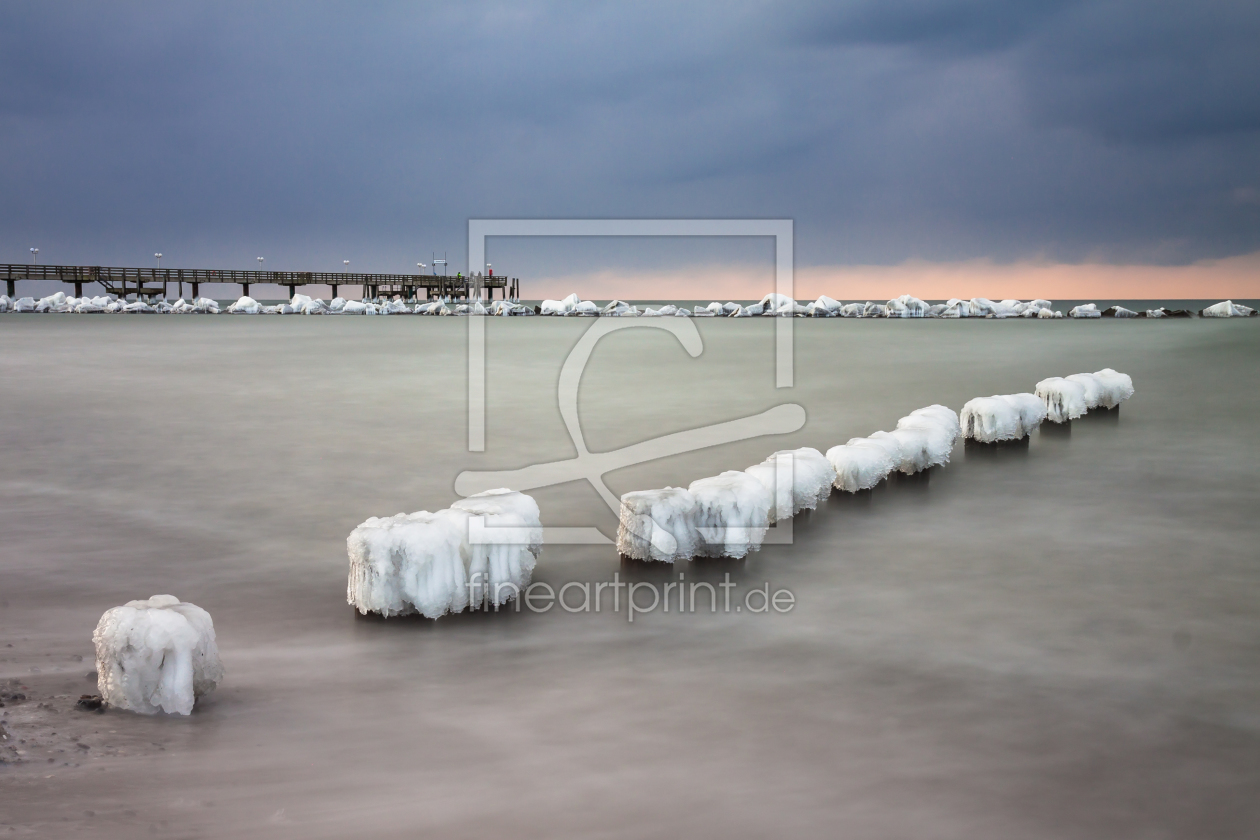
(888, 130)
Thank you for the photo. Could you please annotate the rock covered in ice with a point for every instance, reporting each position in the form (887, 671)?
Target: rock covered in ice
(1105, 388)
(1226, 309)
(480, 551)
(830, 304)
(852, 310)
(798, 479)
(774, 302)
(906, 306)
(26, 304)
(732, 514)
(1085, 310)
(999, 418)
(53, 303)
(560, 307)
(138, 307)
(98, 304)
(155, 656)
(1118, 311)
(354, 307)
(245, 305)
(1064, 399)
(658, 525)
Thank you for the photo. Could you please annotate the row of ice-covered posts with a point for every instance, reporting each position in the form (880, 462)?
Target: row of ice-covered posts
(729, 514)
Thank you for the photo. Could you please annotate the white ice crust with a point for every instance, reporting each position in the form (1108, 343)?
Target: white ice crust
(862, 463)
(481, 551)
(155, 656)
(1064, 399)
(1104, 388)
(1005, 417)
(798, 479)
(658, 525)
(732, 514)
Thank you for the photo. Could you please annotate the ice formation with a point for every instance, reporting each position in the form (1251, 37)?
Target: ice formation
(1000, 418)
(479, 551)
(1226, 309)
(906, 306)
(245, 304)
(1085, 310)
(774, 302)
(862, 463)
(798, 479)
(155, 656)
(658, 525)
(1104, 388)
(1064, 399)
(940, 426)
(1119, 312)
(732, 514)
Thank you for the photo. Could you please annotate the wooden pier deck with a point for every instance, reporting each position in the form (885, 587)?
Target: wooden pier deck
(156, 282)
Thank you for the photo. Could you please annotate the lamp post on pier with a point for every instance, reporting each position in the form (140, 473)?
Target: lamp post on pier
(34, 256)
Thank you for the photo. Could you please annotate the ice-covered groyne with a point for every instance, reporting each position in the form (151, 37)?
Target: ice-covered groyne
(923, 439)
(157, 655)
(1067, 398)
(481, 551)
(1002, 418)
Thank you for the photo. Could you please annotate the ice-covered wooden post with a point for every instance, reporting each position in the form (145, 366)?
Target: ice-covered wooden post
(155, 656)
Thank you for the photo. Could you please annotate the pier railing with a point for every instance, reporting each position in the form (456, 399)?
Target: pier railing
(148, 282)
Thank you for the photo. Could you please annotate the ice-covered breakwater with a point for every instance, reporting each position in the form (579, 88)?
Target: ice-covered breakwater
(479, 552)
(728, 515)
(772, 306)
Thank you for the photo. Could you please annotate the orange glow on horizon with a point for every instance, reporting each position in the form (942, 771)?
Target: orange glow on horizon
(1234, 277)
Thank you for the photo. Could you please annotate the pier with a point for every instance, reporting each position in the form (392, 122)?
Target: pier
(156, 282)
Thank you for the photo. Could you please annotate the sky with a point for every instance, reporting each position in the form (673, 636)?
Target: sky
(955, 146)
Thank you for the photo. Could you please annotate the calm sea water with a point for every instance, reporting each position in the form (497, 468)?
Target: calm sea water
(1061, 640)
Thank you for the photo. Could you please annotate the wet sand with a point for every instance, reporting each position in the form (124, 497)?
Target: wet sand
(1060, 640)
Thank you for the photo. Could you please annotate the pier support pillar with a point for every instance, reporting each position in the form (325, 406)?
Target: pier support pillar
(12, 288)
(78, 289)
(292, 291)
(196, 289)
(245, 289)
(334, 290)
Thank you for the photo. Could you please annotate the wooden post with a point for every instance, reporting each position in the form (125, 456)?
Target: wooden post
(292, 291)
(78, 288)
(196, 289)
(334, 289)
(245, 289)
(12, 288)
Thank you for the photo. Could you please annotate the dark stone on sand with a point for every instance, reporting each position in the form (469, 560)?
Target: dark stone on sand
(91, 703)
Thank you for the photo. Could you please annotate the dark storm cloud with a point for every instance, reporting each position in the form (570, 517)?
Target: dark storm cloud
(313, 132)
